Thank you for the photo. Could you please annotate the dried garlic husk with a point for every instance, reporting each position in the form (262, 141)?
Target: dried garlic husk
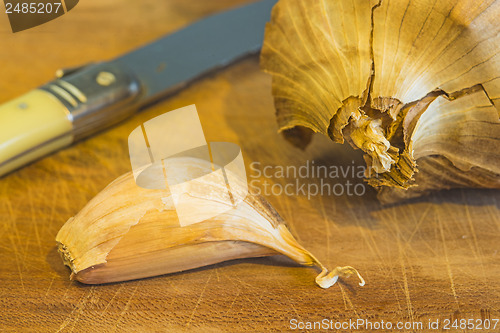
(127, 232)
(415, 84)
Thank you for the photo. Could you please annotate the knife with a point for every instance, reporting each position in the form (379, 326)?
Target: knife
(84, 100)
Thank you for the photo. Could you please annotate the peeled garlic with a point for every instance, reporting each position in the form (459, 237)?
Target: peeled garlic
(415, 84)
(127, 232)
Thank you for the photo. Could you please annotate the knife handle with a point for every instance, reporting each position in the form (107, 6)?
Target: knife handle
(67, 109)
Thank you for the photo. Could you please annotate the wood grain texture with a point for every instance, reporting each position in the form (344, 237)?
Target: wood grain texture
(436, 257)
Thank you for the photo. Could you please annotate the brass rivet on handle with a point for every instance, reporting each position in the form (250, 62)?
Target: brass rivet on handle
(105, 78)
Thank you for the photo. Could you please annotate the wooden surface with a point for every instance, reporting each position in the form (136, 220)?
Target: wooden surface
(432, 258)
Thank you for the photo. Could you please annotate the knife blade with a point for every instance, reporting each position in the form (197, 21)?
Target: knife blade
(84, 100)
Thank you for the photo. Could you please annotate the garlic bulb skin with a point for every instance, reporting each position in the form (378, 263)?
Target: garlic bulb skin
(415, 84)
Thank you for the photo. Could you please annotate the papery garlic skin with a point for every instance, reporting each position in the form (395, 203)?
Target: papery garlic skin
(376, 74)
(127, 232)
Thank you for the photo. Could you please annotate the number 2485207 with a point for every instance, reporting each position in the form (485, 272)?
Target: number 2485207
(32, 8)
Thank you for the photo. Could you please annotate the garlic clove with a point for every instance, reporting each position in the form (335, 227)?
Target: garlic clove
(127, 232)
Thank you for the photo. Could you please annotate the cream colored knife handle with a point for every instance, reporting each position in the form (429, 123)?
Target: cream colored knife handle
(31, 126)
(64, 110)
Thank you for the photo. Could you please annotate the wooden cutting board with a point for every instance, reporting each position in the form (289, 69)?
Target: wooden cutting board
(435, 258)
